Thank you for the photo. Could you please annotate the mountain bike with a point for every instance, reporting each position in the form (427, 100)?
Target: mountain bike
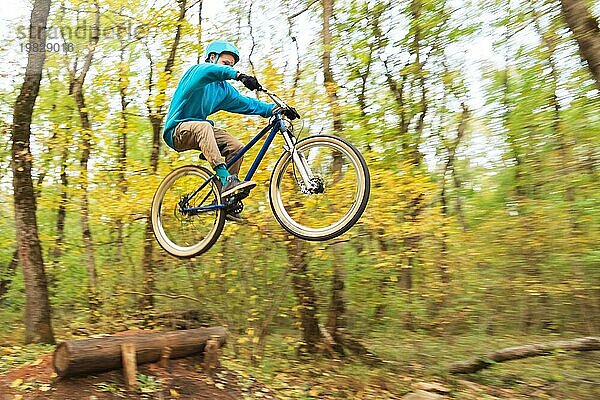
(319, 188)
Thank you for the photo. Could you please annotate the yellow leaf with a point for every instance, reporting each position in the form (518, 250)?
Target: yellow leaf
(174, 393)
(16, 382)
(45, 388)
(38, 361)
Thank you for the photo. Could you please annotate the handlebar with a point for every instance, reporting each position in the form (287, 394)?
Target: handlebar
(278, 102)
(274, 97)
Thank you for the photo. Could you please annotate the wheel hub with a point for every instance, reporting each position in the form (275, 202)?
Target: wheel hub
(180, 210)
(318, 186)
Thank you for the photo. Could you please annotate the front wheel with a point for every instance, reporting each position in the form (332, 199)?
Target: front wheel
(342, 177)
(185, 219)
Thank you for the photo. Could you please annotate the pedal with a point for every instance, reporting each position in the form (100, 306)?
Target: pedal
(242, 194)
(237, 196)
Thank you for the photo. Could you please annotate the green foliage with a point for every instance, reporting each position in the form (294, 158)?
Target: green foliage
(149, 384)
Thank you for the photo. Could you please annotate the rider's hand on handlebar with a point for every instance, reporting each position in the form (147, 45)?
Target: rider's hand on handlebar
(289, 112)
(249, 81)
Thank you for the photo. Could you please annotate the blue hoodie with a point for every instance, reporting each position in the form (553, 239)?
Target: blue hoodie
(202, 91)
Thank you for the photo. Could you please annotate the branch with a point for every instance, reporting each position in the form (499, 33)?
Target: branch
(519, 352)
(253, 40)
(169, 296)
(302, 11)
(92, 46)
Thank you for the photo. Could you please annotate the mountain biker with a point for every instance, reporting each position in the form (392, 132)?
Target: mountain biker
(201, 91)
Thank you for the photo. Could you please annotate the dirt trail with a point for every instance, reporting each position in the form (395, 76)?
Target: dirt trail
(182, 380)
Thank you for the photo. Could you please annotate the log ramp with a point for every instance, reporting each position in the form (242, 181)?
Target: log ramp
(87, 356)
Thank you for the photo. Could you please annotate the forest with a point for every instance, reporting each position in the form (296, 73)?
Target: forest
(479, 122)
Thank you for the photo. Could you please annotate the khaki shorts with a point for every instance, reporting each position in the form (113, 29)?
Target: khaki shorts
(217, 145)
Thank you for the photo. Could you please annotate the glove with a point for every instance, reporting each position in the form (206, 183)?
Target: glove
(291, 113)
(249, 81)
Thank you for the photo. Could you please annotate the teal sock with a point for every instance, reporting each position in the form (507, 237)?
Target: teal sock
(222, 173)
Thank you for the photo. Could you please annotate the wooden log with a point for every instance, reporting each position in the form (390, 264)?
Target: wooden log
(165, 355)
(519, 352)
(129, 365)
(211, 356)
(81, 357)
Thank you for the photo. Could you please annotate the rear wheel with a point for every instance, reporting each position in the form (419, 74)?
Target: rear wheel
(342, 187)
(180, 225)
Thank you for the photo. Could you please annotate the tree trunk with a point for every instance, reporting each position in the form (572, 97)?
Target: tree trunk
(550, 40)
(450, 169)
(364, 76)
(148, 263)
(61, 213)
(585, 28)
(88, 242)
(413, 239)
(414, 152)
(76, 86)
(122, 143)
(38, 328)
(156, 111)
(9, 273)
(337, 306)
(397, 88)
(328, 81)
(81, 357)
(305, 293)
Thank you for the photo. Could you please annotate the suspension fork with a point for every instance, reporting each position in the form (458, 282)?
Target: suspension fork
(298, 159)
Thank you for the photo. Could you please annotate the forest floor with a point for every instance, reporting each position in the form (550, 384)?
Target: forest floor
(185, 380)
(26, 372)
(182, 380)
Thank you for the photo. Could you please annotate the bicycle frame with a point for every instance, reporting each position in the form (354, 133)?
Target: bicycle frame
(277, 124)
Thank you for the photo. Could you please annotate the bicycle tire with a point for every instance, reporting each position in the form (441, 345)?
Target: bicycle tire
(284, 212)
(186, 236)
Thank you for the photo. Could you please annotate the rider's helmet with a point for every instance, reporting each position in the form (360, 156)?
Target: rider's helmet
(219, 46)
